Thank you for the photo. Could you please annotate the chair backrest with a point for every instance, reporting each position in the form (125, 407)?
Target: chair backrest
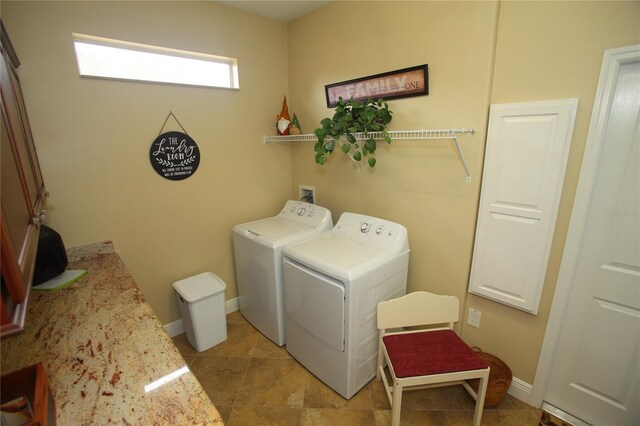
(418, 308)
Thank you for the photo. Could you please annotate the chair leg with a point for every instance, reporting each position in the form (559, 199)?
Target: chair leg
(396, 405)
(482, 390)
(380, 354)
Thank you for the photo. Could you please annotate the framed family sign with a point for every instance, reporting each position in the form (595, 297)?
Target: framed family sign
(404, 83)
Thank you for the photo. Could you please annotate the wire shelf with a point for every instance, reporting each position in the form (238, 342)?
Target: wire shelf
(394, 135)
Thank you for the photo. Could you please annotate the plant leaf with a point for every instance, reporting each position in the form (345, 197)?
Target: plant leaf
(346, 147)
(351, 138)
(370, 145)
(372, 162)
(357, 156)
(330, 145)
(385, 136)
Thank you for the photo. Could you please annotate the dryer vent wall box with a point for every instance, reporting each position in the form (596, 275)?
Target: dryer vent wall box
(332, 286)
(257, 248)
(307, 194)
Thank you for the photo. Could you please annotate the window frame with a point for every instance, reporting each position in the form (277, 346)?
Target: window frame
(231, 63)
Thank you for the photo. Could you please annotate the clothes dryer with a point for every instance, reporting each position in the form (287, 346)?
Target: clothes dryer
(332, 286)
(257, 248)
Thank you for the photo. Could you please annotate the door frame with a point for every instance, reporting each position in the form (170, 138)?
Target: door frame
(612, 61)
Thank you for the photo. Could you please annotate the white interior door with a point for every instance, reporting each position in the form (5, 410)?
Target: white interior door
(594, 373)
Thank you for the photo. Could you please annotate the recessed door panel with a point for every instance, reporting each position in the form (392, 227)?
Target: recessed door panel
(507, 268)
(523, 152)
(600, 347)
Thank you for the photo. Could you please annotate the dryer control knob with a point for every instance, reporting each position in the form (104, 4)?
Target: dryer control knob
(311, 213)
(301, 211)
(365, 227)
(379, 230)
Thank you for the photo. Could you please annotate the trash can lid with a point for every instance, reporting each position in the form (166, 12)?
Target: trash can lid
(199, 286)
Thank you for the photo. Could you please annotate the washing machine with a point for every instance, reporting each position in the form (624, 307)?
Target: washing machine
(257, 248)
(332, 286)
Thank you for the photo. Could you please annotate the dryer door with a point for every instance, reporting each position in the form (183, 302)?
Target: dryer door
(315, 302)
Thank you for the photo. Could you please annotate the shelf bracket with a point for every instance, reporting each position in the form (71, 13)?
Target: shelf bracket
(464, 162)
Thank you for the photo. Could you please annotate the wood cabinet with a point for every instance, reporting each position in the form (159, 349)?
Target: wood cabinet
(22, 196)
(31, 384)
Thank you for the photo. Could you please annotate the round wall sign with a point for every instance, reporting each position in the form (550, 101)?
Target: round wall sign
(174, 155)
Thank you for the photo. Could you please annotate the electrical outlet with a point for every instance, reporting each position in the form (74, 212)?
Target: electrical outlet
(473, 318)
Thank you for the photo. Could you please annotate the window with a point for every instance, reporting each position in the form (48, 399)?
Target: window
(105, 58)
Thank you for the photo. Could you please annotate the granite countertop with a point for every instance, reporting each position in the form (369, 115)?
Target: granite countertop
(101, 344)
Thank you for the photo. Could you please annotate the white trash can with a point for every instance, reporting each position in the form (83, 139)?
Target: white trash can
(201, 300)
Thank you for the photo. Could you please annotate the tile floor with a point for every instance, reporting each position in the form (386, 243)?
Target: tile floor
(252, 381)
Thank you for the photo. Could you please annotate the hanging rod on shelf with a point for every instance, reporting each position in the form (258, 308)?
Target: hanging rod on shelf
(394, 135)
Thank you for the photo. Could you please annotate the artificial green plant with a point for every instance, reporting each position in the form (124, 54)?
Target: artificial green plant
(353, 117)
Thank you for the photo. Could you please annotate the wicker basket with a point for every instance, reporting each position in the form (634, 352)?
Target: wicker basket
(499, 379)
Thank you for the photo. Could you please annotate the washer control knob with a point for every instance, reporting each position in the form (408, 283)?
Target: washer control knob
(379, 230)
(365, 227)
(293, 209)
(301, 211)
(311, 213)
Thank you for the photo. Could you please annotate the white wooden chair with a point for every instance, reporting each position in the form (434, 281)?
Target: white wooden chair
(426, 358)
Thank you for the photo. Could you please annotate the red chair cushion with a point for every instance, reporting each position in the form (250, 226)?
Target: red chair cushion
(430, 352)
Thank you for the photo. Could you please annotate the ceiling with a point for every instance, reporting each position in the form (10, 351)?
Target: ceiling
(284, 11)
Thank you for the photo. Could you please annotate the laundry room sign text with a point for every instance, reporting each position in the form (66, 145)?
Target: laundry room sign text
(174, 155)
(402, 83)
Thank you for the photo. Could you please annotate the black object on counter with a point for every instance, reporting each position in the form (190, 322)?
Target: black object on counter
(51, 259)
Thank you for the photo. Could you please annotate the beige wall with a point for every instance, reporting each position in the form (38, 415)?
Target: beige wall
(549, 50)
(93, 136)
(478, 53)
(419, 184)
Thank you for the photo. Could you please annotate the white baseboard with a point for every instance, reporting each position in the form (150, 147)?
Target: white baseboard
(177, 327)
(174, 328)
(232, 305)
(520, 389)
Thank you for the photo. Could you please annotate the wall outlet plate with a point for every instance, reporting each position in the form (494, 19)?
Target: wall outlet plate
(473, 318)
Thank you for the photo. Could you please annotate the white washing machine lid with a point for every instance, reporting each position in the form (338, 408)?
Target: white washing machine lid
(295, 222)
(337, 256)
(358, 244)
(275, 231)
